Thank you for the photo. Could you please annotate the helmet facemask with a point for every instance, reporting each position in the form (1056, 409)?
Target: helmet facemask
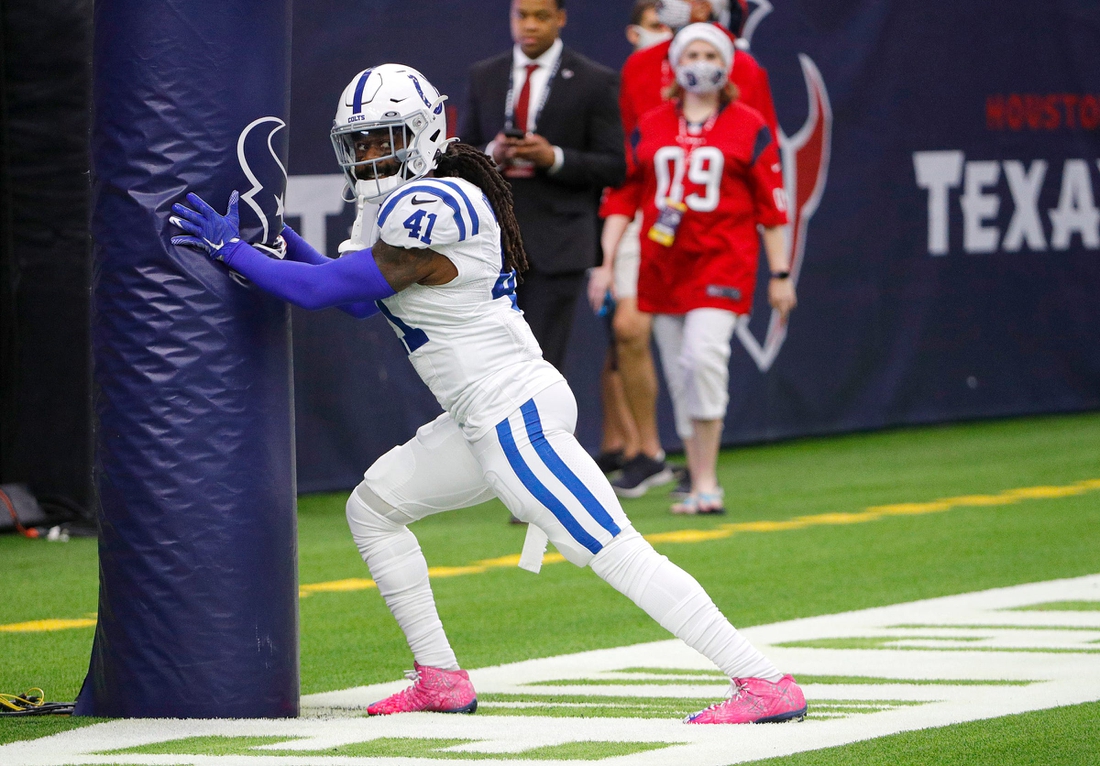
(375, 158)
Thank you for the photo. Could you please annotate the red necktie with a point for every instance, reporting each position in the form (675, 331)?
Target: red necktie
(520, 116)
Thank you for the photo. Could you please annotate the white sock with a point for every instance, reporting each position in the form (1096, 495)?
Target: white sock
(400, 571)
(679, 604)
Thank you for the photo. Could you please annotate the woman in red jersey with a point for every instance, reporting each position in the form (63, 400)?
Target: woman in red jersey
(704, 171)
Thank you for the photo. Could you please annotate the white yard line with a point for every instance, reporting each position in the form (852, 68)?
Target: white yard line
(1070, 676)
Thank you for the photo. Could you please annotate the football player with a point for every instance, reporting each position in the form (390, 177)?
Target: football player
(436, 249)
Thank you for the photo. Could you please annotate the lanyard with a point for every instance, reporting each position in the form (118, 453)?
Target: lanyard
(509, 100)
(689, 142)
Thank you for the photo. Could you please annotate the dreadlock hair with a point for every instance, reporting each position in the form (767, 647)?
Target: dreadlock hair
(463, 161)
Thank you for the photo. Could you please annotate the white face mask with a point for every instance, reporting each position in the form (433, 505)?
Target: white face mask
(701, 77)
(647, 38)
(674, 13)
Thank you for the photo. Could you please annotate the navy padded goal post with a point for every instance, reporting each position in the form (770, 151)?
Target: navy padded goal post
(194, 452)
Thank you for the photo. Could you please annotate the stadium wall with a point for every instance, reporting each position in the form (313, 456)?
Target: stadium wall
(944, 164)
(45, 80)
(945, 158)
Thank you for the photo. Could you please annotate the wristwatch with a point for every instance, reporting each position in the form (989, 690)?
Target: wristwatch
(780, 274)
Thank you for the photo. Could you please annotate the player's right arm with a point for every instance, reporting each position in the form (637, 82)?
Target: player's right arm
(354, 278)
(297, 249)
(406, 266)
(357, 277)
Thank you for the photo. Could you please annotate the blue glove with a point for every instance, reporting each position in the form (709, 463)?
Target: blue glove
(209, 230)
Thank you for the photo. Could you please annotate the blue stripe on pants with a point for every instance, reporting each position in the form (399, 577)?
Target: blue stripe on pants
(562, 471)
(539, 490)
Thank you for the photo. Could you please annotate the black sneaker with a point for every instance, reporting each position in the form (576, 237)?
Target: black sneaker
(683, 483)
(609, 462)
(639, 474)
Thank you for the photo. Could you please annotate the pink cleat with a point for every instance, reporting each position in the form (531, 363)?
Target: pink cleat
(435, 690)
(754, 700)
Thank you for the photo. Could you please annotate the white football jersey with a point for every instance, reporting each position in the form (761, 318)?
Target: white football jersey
(467, 339)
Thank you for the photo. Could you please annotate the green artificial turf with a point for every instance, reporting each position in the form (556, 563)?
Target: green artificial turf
(506, 615)
(387, 747)
(33, 727)
(46, 580)
(1065, 736)
(1062, 606)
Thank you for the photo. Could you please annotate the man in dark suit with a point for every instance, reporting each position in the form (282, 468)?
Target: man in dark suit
(549, 117)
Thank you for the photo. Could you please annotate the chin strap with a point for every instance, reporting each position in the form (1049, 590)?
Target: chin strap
(366, 213)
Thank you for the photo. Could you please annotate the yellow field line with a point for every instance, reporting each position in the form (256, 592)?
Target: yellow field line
(42, 626)
(872, 513)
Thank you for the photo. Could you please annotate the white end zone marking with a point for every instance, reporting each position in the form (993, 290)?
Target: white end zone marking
(1006, 646)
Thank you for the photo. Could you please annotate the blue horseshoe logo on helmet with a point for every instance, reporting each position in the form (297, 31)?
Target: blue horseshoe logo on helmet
(424, 98)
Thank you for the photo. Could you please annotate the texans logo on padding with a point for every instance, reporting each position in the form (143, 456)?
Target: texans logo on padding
(266, 173)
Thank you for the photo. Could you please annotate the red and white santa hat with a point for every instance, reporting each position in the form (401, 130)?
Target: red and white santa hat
(706, 32)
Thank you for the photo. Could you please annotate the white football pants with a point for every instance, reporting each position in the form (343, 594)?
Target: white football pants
(535, 465)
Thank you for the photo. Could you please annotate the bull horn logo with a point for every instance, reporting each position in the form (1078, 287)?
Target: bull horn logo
(760, 9)
(249, 197)
(805, 157)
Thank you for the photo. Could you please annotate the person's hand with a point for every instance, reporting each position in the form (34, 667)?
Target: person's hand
(207, 229)
(600, 280)
(533, 148)
(781, 296)
(501, 146)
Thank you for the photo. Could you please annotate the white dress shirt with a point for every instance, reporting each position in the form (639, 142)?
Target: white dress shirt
(540, 79)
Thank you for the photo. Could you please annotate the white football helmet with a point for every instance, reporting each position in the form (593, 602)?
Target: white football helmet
(398, 114)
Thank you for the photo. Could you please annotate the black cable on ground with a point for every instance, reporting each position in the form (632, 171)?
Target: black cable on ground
(30, 703)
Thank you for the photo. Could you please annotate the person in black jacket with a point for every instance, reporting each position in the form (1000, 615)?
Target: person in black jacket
(549, 117)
